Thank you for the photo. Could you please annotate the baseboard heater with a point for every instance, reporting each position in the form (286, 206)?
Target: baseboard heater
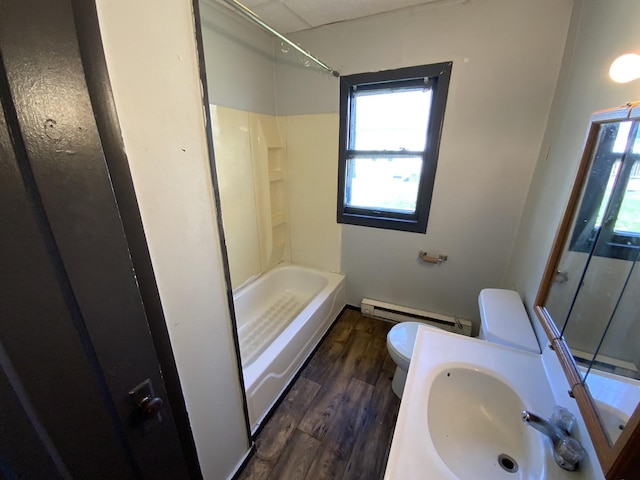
(397, 313)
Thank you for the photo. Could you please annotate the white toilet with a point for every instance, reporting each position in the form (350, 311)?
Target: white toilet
(503, 320)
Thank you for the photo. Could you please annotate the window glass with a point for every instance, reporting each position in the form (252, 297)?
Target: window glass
(391, 120)
(608, 219)
(628, 221)
(607, 192)
(620, 143)
(384, 183)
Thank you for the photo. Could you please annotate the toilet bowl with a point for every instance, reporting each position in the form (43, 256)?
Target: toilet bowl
(503, 320)
(400, 340)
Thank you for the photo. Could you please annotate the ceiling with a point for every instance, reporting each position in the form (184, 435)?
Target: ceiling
(289, 16)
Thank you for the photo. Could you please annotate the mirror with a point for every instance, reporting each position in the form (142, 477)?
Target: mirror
(599, 256)
(589, 299)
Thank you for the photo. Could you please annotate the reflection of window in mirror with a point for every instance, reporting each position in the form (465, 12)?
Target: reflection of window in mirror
(611, 201)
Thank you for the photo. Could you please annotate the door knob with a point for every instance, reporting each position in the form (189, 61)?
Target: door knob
(149, 407)
(145, 406)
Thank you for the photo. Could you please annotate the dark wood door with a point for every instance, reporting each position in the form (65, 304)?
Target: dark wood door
(74, 338)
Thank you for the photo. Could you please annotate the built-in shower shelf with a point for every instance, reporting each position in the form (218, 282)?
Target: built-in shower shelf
(276, 175)
(278, 219)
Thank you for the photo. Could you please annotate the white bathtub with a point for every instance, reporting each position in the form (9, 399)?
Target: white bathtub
(281, 317)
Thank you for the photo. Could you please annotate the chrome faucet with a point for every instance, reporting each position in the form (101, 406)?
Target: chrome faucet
(567, 451)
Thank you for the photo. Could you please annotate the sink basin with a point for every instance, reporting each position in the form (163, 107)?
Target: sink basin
(474, 416)
(460, 415)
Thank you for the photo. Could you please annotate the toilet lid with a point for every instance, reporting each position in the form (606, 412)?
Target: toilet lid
(402, 337)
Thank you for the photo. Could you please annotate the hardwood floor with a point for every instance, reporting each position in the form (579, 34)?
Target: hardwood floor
(337, 420)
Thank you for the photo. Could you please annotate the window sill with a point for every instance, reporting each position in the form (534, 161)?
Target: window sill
(386, 223)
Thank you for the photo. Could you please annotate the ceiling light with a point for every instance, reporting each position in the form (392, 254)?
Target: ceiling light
(625, 68)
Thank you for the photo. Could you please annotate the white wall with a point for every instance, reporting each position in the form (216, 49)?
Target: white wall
(603, 30)
(153, 67)
(239, 59)
(506, 57)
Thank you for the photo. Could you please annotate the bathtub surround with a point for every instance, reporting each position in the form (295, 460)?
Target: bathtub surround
(275, 186)
(250, 164)
(241, 75)
(236, 184)
(312, 145)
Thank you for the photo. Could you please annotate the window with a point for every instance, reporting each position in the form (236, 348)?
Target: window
(390, 125)
(608, 222)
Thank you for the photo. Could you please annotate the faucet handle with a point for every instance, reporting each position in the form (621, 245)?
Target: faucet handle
(562, 418)
(568, 452)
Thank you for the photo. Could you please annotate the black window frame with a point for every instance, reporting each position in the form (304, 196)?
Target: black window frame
(604, 241)
(437, 76)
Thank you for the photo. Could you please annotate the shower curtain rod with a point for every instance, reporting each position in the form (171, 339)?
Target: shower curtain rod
(240, 8)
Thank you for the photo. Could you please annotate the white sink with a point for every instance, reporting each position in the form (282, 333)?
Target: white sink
(475, 417)
(461, 411)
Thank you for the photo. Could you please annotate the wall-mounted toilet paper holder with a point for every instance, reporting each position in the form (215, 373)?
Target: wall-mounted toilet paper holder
(425, 257)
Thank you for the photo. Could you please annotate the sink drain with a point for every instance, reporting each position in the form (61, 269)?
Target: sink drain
(507, 463)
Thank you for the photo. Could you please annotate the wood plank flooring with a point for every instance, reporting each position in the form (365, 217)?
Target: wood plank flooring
(337, 420)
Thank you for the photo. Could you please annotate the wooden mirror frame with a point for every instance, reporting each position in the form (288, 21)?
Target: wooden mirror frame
(622, 459)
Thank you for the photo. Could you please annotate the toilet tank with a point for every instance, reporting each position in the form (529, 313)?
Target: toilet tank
(504, 320)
